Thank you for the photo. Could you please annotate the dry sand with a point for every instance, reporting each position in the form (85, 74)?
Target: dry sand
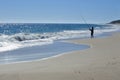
(100, 62)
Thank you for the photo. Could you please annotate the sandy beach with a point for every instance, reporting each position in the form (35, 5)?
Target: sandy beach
(100, 62)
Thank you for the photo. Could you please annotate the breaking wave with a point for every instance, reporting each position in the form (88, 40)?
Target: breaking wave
(20, 40)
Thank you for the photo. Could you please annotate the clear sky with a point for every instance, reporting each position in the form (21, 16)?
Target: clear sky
(59, 11)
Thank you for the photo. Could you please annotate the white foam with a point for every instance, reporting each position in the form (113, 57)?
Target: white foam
(6, 46)
(8, 43)
(107, 29)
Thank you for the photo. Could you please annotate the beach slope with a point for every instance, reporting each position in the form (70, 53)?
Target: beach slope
(100, 62)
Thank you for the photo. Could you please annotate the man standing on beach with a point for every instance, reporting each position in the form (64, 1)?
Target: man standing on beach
(92, 32)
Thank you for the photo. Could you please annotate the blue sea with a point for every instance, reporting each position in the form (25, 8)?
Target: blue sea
(20, 41)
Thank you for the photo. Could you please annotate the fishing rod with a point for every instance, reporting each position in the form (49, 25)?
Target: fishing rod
(85, 21)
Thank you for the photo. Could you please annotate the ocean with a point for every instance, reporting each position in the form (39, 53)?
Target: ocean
(20, 41)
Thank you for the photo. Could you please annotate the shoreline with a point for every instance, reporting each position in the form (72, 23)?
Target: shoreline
(99, 62)
(103, 35)
(66, 41)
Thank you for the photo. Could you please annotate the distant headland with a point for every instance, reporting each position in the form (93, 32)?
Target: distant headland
(115, 22)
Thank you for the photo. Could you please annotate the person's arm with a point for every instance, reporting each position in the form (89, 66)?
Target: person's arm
(90, 29)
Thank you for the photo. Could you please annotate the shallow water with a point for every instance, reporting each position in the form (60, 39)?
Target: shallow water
(38, 52)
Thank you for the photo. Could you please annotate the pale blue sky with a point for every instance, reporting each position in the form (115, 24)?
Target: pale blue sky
(59, 11)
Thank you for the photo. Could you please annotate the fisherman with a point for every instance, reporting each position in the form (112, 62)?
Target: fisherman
(92, 32)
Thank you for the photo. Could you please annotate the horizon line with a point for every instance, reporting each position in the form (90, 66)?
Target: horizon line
(48, 23)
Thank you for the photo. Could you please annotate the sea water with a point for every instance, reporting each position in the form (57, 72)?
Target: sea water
(18, 41)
